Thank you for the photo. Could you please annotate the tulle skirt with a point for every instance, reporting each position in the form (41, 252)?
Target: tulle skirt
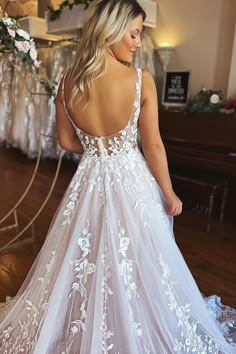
(110, 277)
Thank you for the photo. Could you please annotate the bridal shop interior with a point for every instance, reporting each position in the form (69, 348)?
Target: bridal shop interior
(191, 42)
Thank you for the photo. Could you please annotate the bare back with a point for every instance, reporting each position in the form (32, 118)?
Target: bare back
(111, 102)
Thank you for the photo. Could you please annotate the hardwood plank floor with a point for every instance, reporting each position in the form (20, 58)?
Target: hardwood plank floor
(211, 256)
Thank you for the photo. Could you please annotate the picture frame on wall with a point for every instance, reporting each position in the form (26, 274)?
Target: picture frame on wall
(175, 88)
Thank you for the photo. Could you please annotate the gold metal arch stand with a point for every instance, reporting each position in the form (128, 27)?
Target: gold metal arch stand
(16, 240)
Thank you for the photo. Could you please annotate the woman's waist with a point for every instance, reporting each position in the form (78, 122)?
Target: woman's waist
(104, 155)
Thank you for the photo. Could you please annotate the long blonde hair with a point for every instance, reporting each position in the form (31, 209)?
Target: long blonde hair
(105, 24)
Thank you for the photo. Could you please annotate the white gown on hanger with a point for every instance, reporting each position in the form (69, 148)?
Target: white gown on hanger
(110, 277)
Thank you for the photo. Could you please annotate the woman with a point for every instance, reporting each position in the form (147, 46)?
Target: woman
(110, 278)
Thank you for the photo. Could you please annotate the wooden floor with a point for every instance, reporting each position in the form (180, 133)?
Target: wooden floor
(211, 256)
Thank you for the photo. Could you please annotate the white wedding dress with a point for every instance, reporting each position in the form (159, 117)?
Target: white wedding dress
(110, 277)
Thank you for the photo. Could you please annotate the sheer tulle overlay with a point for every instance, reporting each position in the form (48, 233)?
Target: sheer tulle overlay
(110, 277)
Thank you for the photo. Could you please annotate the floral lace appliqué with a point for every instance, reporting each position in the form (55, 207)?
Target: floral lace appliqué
(82, 268)
(106, 291)
(24, 339)
(126, 270)
(75, 187)
(191, 341)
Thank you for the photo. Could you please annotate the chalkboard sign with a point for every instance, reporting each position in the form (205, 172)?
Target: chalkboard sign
(175, 90)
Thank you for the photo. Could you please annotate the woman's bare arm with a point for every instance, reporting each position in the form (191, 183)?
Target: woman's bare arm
(152, 144)
(67, 137)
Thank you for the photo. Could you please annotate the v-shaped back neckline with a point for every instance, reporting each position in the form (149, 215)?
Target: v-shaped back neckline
(102, 136)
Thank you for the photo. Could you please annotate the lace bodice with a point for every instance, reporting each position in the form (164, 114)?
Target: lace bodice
(121, 143)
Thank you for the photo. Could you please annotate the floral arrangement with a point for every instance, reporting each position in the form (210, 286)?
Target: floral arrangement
(55, 14)
(20, 45)
(229, 107)
(205, 101)
(15, 39)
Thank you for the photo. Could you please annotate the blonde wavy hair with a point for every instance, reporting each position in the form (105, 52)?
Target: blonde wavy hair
(105, 24)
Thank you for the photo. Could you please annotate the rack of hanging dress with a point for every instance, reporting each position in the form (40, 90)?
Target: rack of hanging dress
(23, 100)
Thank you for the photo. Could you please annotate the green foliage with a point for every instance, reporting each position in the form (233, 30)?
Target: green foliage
(205, 101)
(6, 41)
(49, 86)
(55, 14)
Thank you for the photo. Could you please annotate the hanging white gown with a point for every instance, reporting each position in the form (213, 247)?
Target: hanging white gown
(5, 101)
(110, 277)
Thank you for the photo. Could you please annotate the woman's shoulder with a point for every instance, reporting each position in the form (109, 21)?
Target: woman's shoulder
(147, 78)
(148, 86)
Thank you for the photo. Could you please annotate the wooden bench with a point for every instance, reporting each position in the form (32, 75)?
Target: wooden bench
(212, 185)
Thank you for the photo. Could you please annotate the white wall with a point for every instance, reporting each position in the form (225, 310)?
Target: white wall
(202, 32)
(232, 75)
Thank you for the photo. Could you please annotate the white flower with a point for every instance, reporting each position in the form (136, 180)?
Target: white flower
(179, 312)
(74, 330)
(75, 286)
(83, 242)
(109, 334)
(84, 245)
(37, 63)
(33, 53)
(125, 267)
(23, 34)
(71, 205)
(138, 329)
(22, 46)
(214, 98)
(124, 242)
(172, 298)
(66, 212)
(139, 332)
(84, 268)
(8, 21)
(133, 286)
(187, 341)
(122, 231)
(12, 32)
(90, 267)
